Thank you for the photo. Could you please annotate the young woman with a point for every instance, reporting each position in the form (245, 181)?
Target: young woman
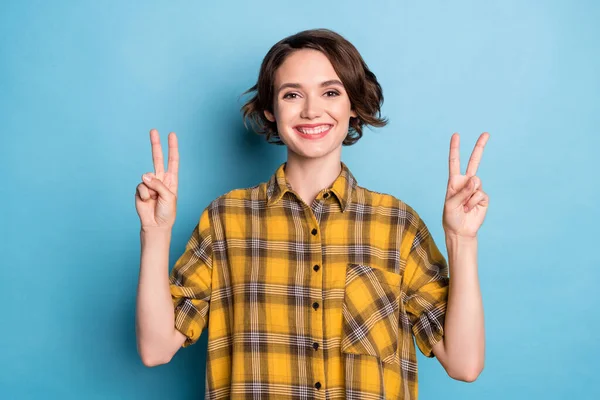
(309, 285)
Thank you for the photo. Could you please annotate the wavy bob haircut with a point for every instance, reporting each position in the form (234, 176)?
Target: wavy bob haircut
(365, 93)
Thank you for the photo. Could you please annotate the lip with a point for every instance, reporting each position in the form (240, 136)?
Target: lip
(312, 137)
(311, 125)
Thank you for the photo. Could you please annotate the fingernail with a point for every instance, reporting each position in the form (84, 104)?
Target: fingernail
(146, 178)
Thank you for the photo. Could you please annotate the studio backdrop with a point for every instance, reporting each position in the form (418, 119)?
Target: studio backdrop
(83, 82)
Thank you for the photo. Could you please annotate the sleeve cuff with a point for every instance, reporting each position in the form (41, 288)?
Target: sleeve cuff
(429, 329)
(189, 321)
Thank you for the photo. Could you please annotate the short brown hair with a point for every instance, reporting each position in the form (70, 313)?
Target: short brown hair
(365, 93)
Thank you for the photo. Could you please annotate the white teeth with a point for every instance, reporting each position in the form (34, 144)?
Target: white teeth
(315, 130)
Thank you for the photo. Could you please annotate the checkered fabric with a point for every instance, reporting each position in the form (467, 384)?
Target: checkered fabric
(320, 301)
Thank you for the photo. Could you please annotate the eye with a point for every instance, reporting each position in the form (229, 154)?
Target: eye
(288, 95)
(332, 93)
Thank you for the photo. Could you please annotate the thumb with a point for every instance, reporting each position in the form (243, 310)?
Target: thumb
(154, 183)
(463, 195)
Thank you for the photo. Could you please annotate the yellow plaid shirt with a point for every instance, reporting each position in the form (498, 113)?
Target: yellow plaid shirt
(311, 302)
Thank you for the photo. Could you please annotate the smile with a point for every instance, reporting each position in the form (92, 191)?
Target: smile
(313, 132)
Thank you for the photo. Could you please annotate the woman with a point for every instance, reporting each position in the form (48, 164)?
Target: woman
(311, 286)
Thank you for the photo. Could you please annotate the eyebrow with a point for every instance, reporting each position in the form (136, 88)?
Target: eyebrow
(298, 86)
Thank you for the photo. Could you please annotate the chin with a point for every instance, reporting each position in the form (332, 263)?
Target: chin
(312, 153)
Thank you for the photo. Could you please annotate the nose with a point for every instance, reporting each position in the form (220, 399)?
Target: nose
(311, 108)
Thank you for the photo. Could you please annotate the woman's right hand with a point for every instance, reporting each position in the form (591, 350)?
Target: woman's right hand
(156, 199)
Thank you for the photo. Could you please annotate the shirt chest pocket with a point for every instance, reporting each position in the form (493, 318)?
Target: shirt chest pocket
(370, 312)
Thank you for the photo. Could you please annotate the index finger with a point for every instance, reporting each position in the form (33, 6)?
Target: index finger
(454, 159)
(477, 153)
(157, 154)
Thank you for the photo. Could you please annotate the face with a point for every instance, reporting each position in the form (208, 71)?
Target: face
(311, 107)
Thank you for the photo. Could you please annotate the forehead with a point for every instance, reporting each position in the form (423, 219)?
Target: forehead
(305, 66)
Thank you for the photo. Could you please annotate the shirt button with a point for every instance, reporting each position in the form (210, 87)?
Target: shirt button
(315, 345)
(315, 305)
(314, 232)
(316, 268)
(318, 385)
(326, 195)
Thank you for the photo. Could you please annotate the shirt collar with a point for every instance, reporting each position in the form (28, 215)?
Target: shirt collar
(343, 186)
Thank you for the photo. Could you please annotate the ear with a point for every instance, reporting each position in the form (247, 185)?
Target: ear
(269, 116)
(353, 114)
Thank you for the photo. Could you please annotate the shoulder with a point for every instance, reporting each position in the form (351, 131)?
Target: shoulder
(382, 202)
(237, 197)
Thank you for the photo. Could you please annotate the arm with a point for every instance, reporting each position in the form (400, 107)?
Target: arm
(462, 350)
(157, 338)
(156, 203)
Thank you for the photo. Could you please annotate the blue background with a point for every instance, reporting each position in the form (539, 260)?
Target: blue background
(82, 83)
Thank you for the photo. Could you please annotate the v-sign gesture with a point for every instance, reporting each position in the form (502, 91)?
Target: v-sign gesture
(466, 203)
(156, 196)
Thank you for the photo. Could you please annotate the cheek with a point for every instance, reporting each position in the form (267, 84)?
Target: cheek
(341, 112)
(286, 113)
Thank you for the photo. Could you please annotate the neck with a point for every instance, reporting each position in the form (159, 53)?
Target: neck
(308, 176)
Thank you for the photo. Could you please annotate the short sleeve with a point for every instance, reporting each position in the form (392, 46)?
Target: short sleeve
(426, 283)
(190, 282)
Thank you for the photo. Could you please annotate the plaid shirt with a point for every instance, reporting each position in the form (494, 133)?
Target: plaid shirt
(319, 302)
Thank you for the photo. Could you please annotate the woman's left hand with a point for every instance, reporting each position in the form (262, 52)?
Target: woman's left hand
(466, 203)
